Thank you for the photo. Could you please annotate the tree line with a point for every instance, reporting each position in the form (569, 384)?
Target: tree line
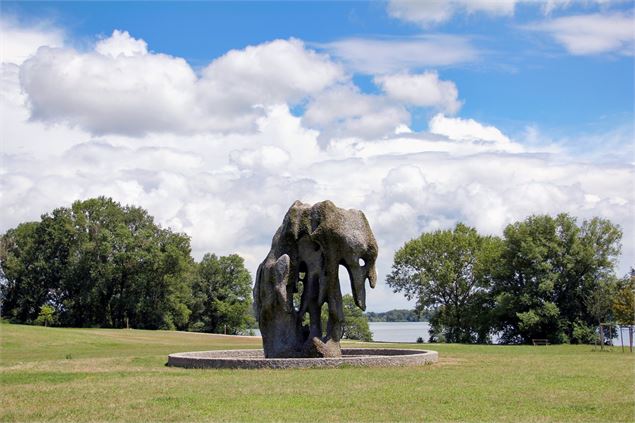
(545, 278)
(396, 315)
(100, 264)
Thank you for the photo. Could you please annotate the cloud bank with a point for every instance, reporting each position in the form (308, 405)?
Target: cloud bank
(219, 154)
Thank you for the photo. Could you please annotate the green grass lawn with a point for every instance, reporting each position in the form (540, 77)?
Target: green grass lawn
(101, 374)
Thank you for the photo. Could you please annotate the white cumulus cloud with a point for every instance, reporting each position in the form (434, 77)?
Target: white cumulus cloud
(427, 13)
(121, 43)
(270, 73)
(122, 88)
(266, 158)
(105, 94)
(467, 130)
(430, 12)
(390, 55)
(18, 43)
(593, 33)
(343, 111)
(424, 89)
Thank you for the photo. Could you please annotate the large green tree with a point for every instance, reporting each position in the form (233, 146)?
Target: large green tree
(221, 295)
(549, 269)
(448, 273)
(355, 324)
(23, 291)
(623, 304)
(97, 263)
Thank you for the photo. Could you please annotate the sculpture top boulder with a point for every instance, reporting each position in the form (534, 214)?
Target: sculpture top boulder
(306, 252)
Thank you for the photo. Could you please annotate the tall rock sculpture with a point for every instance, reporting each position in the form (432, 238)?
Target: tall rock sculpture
(306, 252)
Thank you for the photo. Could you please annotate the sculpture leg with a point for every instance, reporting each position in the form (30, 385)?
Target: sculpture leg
(331, 348)
(336, 314)
(314, 309)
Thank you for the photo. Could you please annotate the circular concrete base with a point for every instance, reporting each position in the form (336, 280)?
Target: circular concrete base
(254, 359)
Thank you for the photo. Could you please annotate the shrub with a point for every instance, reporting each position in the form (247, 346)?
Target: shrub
(583, 334)
(46, 317)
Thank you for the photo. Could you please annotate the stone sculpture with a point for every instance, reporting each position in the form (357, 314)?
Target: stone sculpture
(306, 252)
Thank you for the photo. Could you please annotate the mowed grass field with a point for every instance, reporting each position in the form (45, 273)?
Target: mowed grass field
(120, 375)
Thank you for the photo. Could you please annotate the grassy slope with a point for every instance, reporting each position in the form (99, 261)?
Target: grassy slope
(120, 375)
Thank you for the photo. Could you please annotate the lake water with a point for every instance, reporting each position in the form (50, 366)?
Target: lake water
(410, 331)
(399, 331)
(395, 331)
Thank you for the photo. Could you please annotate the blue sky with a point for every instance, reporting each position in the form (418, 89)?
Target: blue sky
(519, 78)
(216, 116)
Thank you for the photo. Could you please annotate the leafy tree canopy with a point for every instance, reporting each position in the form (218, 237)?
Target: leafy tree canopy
(221, 295)
(448, 273)
(46, 316)
(553, 275)
(98, 263)
(355, 323)
(623, 306)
